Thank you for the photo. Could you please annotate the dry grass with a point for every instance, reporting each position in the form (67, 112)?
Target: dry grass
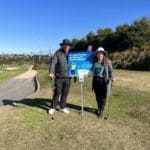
(28, 126)
(135, 80)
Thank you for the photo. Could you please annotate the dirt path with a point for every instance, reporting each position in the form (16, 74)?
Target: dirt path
(19, 87)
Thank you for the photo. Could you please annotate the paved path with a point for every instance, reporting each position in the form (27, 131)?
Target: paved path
(19, 87)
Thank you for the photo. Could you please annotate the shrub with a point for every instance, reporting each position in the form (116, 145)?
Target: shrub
(131, 59)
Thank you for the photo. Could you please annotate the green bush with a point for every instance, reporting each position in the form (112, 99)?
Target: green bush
(131, 59)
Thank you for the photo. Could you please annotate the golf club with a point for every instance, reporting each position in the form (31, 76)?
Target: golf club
(52, 86)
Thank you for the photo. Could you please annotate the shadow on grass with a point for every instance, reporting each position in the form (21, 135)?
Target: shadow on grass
(44, 104)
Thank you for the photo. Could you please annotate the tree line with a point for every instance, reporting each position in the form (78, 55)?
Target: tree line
(126, 40)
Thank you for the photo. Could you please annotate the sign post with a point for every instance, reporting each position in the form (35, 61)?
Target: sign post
(81, 80)
(80, 65)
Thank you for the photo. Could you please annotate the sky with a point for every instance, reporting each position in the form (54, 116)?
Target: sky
(32, 25)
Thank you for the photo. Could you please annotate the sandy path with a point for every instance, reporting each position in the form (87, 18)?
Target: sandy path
(19, 87)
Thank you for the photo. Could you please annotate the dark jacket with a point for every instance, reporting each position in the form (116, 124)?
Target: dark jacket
(59, 64)
(108, 75)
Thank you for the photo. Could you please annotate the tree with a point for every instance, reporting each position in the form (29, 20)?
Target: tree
(102, 34)
(122, 37)
(79, 45)
(135, 35)
(140, 32)
(90, 37)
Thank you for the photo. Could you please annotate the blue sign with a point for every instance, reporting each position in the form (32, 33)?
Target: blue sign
(80, 63)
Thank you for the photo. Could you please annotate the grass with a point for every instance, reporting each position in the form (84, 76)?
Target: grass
(43, 78)
(28, 126)
(8, 74)
(124, 97)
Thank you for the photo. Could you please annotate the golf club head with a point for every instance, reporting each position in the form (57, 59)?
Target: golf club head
(52, 118)
(106, 117)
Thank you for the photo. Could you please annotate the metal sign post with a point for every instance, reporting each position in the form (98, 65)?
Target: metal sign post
(81, 80)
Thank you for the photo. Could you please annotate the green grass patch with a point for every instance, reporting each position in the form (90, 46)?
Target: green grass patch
(119, 105)
(8, 74)
(33, 118)
(124, 100)
(44, 78)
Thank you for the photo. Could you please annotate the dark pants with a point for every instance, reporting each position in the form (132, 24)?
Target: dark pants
(61, 89)
(100, 89)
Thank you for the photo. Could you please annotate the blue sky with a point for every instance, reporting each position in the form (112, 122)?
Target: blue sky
(30, 25)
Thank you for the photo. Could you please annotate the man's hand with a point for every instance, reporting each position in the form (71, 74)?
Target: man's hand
(51, 75)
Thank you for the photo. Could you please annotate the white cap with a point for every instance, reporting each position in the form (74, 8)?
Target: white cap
(101, 49)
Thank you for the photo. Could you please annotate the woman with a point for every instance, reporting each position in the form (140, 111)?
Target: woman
(102, 78)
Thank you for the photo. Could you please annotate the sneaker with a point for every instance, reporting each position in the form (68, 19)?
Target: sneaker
(65, 111)
(51, 111)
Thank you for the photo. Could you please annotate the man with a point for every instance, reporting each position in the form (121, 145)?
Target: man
(59, 72)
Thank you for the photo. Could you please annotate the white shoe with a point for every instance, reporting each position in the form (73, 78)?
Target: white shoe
(65, 111)
(51, 111)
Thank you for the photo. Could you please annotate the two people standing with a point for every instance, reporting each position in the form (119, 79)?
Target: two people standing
(102, 77)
